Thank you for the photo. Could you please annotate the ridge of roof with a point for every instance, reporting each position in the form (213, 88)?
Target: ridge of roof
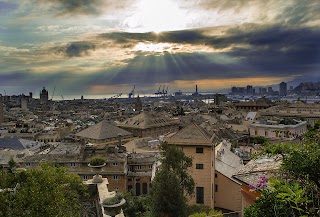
(102, 130)
(192, 134)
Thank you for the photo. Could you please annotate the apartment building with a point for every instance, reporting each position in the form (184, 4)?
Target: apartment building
(197, 143)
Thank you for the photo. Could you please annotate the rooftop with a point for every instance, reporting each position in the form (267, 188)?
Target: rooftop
(101, 131)
(191, 135)
(149, 119)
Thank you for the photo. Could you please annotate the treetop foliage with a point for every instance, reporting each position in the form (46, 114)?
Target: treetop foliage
(45, 191)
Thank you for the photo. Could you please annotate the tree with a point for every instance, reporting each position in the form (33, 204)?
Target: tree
(47, 191)
(296, 192)
(171, 183)
(136, 206)
(175, 161)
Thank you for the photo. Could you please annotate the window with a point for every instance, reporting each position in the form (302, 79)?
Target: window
(138, 191)
(150, 166)
(129, 187)
(199, 166)
(115, 177)
(28, 164)
(85, 177)
(72, 164)
(114, 164)
(144, 188)
(139, 167)
(199, 150)
(130, 180)
(255, 132)
(200, 195)
(216, 188)
(216, 175)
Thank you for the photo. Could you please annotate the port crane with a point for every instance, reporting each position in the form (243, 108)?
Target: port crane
(54, 89)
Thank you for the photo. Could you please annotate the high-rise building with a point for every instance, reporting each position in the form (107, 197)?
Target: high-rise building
(249, 89)
(241, 89)
(270, 91)
(44, 97)
(283, 89)
(1, 110)
(234, 89)
(263, 90)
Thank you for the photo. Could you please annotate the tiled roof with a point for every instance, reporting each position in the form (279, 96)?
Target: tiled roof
(250, 174)
(102, 130)
(191, 135)
(11, 143)
(148, 119)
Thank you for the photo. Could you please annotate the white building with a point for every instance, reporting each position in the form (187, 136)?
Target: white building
(278, 131)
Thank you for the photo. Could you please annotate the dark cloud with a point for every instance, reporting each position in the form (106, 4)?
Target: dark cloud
(75, 49)
(254, 51)
(85, 7)
(75, 6)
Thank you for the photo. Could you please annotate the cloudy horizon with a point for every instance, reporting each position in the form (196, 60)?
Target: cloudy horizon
(96, 47)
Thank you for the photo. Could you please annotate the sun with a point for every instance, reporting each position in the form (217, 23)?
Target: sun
(156, 16)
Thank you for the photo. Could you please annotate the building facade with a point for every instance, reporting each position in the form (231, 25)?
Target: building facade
(197, 143)
(283, 89)
(278, 131)
(150, 124)
(44, 96)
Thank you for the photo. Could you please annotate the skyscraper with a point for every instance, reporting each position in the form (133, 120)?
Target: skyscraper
(1, 110)
(283, 89)
(249, 89)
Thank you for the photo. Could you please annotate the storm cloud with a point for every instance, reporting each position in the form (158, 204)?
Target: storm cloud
(75, 49)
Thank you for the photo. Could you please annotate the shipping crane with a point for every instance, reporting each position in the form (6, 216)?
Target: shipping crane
(54, 89)
(158, 92)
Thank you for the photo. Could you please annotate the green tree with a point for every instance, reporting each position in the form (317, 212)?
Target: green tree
(47, 191)
(175, 161)
(167, 199)
(172, 183)
(136, 206)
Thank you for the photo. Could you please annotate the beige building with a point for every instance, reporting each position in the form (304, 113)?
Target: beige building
(227, 189)
(150, 124)
(278, 131)
(255, 105)
(197, 143)
(76, 158)
(298, 110)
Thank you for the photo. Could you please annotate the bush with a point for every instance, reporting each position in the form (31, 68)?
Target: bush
(113, 200)
(97, 161)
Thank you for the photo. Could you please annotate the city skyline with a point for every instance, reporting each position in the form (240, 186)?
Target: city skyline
(98, 47)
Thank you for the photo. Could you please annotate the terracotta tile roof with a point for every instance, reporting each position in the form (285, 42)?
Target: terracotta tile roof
(191, 135)
(102, 130)
(149, 119)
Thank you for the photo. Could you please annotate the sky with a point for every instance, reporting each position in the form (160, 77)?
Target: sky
(99, 47)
